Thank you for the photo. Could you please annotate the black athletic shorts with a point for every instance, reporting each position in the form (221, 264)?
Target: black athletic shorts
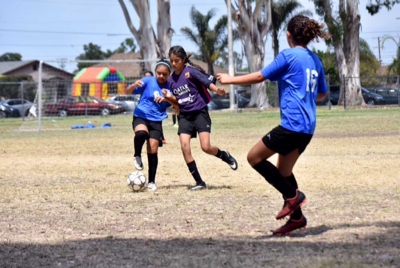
(155, 128)
(194, 122)
(284, 141)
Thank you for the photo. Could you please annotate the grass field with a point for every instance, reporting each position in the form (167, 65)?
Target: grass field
(65, 203)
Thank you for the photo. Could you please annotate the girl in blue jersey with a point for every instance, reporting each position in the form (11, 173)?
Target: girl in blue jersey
(189, 85)
(148, 117)
(301, 83)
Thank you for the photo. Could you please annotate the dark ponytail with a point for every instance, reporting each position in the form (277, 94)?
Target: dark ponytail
(304, 30)
(181, 53)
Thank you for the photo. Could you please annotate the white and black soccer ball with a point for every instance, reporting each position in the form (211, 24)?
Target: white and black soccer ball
(136, 181)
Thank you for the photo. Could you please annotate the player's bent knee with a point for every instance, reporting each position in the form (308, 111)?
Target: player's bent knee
(252, 159)
(207, 149)
(141, 135)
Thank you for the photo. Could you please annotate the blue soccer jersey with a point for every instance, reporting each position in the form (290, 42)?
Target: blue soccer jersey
(147, 108)
(190, 88)
(300, 77)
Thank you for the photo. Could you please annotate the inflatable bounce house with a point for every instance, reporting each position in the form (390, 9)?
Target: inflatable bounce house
(100, 82)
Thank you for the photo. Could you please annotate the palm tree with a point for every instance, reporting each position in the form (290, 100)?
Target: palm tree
(394, 67)
(282, 10)
(211, 42)
(369, 64)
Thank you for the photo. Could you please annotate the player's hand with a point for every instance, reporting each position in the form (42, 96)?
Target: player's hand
(221, 91)
(138, 83)
(223, 78)
(159, 99)
(166, 93)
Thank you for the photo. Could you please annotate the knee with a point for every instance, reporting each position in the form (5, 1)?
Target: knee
(252, 159)
(141, 135)
(207, 149)
(185, 148)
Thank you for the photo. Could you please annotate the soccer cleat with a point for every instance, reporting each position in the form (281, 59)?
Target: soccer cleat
(291, 204)
(137, 161)
(290, 226)
(200, 186)
(230, 160)
(175, 125)
(151, 186)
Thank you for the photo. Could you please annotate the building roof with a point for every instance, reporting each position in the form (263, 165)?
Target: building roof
(128, 69)
(8, 66)
(133, 69)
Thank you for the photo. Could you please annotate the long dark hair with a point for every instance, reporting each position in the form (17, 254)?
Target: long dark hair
(181, 53)
(304, 30)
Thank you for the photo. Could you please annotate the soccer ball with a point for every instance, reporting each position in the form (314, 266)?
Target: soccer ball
(136, 181)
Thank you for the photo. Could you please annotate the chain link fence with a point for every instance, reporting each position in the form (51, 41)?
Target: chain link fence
(54, 87)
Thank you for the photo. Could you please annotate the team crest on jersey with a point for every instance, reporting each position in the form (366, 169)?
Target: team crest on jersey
(187, 75)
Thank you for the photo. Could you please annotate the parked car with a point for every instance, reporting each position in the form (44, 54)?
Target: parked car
(390, 95)
(15, 107)
(334, 91)
(81, 105)
(7, 111)
(371, 98)
(128, 101)
(223, 102)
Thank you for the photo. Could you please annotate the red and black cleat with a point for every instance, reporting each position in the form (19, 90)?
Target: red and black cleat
(291, 204)
(290, 226)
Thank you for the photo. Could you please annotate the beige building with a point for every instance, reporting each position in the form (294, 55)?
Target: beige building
(31, 68)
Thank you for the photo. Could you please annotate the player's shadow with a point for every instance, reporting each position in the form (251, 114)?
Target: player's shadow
(311, 231)
(317, 230)
(189, 186)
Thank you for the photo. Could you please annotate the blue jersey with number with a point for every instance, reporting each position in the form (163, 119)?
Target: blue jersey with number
(147, 108)
(300, 77)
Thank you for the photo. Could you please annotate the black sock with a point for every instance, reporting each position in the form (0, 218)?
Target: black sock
(222, 155)
(140, 138)
(174, 119)
(275, 178)
(195, 173)
(153, 163)
(297, 213)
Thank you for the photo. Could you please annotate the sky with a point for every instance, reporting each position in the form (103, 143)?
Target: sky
(58, 29)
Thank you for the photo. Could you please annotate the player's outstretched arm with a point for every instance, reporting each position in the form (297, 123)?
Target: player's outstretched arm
(135, 85)
(248, 79)
(219, 90)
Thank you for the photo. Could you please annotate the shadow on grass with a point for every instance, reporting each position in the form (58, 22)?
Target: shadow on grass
(370, 251)
(189, 186)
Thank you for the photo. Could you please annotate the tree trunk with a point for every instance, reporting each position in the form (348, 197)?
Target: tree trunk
(351, 42)
(210, 68)
(275, 43)
(253, 26)
(145, 36)
(346, 48)
(164, 30)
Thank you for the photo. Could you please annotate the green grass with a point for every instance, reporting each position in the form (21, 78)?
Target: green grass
(64, 200)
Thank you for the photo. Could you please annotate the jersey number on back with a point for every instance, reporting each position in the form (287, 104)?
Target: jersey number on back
(311, 79)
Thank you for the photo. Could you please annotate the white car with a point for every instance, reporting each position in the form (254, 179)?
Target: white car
(128, 101)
